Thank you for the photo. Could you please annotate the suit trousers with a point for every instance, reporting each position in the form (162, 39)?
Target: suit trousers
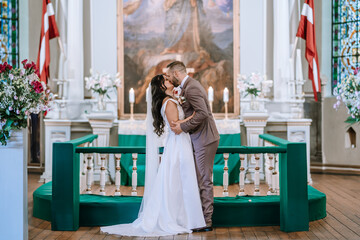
(204, 162)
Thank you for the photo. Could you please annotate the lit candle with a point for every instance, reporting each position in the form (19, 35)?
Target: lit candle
(211, 94)
(226, 95)
(131, 95)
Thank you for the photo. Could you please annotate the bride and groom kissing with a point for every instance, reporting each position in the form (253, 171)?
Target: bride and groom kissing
(178, 195)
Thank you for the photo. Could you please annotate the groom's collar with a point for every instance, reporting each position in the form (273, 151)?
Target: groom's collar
(183, 81)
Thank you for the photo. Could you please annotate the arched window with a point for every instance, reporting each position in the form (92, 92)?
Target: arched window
(9, 32)
(346, 38)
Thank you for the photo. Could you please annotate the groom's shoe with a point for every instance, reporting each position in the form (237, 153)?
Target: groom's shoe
(207, 228)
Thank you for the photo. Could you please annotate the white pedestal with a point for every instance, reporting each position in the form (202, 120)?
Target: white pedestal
(101, 123)
(55, 131)
(298, 130)
(255, 123)
(13, 188)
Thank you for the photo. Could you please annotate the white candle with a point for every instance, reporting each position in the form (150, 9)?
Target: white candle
(211, 94)
(226, 95)
(131, 95)
(147, 93)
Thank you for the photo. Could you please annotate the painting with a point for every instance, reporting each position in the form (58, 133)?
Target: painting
(153, 33)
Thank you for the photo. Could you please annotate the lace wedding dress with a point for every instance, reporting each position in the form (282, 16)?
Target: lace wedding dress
(173, 204)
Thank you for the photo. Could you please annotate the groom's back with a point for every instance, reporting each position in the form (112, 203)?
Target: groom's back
(206, 132)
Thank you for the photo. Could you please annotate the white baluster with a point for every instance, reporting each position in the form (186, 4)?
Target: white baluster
(271, 170)
(134, 175)
(89, 172)
(275, 176)
(102, 174)
(117, 174)
(242, 175)
(226, 175)
(257, 175)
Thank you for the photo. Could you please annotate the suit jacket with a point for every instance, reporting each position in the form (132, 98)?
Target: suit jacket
(202, 126)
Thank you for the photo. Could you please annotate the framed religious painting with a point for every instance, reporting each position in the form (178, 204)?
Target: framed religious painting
(204, 34)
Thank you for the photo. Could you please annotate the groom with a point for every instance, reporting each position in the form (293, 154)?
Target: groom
(203, 133)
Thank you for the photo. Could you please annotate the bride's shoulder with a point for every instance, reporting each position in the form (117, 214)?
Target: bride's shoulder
(165, 99)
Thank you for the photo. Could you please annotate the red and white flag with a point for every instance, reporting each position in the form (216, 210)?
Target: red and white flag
(49, 30)
(306, 30)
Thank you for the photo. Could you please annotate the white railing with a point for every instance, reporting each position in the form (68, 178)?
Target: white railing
(270, 167)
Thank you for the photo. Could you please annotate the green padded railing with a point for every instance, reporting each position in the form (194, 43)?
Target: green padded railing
(294, 214)
(65, 184)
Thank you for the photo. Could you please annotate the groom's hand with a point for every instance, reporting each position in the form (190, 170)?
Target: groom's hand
(175, 127)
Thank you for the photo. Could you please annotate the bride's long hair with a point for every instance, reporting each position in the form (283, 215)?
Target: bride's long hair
(158, 89)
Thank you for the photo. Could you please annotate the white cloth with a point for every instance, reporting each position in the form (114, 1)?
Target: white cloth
(173, 205)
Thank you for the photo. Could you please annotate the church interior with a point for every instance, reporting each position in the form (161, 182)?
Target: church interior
(281, 79)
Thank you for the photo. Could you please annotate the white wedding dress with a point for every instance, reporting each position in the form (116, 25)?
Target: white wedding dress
(173, 204)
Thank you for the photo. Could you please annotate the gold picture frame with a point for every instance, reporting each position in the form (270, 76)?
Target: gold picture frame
(120, 64)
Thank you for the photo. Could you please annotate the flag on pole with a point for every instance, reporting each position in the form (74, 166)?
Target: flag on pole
(49, 30)
(306, 30)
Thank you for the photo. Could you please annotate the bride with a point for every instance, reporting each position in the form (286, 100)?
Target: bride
(171, 203)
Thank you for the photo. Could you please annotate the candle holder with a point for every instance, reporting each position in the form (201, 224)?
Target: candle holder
(131, 111)
(226, 110)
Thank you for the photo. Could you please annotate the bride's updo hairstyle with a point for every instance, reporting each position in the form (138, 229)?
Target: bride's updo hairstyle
(158, 94)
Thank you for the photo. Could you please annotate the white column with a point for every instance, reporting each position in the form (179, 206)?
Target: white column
(103, 40)
(13, 188)
(253, 43)
(55, 131)
(101, 123)
(281, 49)
(74, 63)
(298, 130)
(255, 123)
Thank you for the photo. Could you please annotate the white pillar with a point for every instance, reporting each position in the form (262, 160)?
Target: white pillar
(103, 40)
(255, 123)
(13, 188)
(55, 131)
(298, 130)
(253, 43)
(281, 49)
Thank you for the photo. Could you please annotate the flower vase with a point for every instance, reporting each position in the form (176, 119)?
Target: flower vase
(254, 103)
(101, 103)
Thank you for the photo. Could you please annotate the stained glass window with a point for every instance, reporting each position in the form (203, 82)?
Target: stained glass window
(9, 32)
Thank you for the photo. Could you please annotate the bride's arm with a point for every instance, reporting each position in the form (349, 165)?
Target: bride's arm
(187, 119)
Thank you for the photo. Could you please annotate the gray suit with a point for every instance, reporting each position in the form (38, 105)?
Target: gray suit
(205, 140)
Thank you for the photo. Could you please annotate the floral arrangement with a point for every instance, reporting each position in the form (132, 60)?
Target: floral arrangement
(250, 85)
(348, 91)
(102, 83)
(21, 93)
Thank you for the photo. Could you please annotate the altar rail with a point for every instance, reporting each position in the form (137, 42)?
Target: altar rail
(292, 174)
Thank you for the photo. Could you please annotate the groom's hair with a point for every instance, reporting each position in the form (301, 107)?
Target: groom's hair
(177, 66)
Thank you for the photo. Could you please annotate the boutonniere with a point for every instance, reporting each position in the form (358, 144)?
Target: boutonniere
(182, 100)
(177, 92)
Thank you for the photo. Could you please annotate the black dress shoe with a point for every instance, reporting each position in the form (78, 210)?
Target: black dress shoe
(203, 229)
